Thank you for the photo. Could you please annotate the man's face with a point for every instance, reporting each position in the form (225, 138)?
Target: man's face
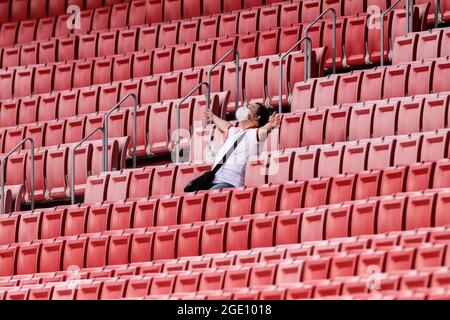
(253, 109)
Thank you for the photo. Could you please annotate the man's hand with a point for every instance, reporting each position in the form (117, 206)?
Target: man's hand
(274, 121)
(220, 123)
(209, 115)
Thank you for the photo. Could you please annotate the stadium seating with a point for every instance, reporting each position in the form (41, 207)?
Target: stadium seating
(356, 177)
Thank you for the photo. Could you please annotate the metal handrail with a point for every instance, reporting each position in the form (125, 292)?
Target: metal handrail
(236, 61)
(437, 12)
(106, 123)
(72, 187)
(382, 28)
(280, 97)
(2, 178)
(208, 89)
(409, 15)
(333, 41)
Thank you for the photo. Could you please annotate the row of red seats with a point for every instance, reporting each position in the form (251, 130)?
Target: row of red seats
(167, 86)
(24, 82)
(157, 116)
(146, 38)
(159, 35)
(139, 289)
(348, 157)
(257, 231)
(266, 281)
(17, 10)
(265, 42)
(422, 45)
(411, 79)
(431, 241)
(361, 121)
(209, 206)
(53, 165)
(142, 12)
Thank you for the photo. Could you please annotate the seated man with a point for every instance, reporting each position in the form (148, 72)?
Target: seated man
(256, 123)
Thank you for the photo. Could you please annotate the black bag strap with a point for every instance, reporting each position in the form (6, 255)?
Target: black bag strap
(229, 152)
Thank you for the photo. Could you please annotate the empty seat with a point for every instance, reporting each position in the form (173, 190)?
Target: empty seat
(409, 116)
(23, 82)
(11, 57)
(255, 80)
(363, 218)
(434, 146)
(313, 127)
(404, 49)
(407, 151)
(434, 113)
(393, 180)
(8, 33)
(43, 80)
(317, 192)
(391, 214)
(303, 95)
(422, 75)
(395, 81)
(371, 85)
(380, 154)
(56, 173)
(162, 60)
(385, 118)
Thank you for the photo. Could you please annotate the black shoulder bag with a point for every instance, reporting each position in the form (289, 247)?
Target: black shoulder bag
(204, 182)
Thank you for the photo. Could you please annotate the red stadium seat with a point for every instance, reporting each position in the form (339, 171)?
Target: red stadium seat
(122, 68)
(217, 205)
(428, 44)
(100, 20)
(367, 184)
(8, 32)
(268, 42)
(255, 80)
(385, 118)
(85, 22)
(119, 15)
(434, 113)
(211, 7)
(363, 218)
(422, 75)
(241, 202)
(168, 34)
(248, 21)
(162, 60)
(313, 127)
(147, 37)
(407, 150)
(268, 18)
(325, 92)
(23, 82)
(266, 199)
(303, 95)
(435, 146)
(371, 85)
(213, 238)
(43, 80)
(395, 81)
(25, 33)
(310, 10)
(409, 115)
(238, 235)
(74, 130)
(150, 90)
(354, 158)
(28, 54)
(28, 110)
(330, 161)
(404, 49)
(154, 11)
(317, 192)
